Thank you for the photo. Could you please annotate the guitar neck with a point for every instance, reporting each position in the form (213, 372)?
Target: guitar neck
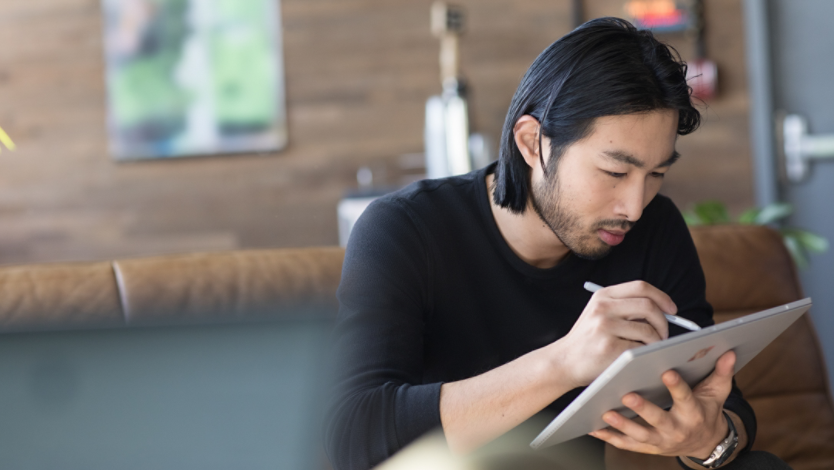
(447, 24)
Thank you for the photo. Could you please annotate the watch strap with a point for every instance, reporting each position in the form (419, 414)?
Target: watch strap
(723, 450)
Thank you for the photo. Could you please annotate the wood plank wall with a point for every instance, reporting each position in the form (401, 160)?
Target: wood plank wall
(358, 74)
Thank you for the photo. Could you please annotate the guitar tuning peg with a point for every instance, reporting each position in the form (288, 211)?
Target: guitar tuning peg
(446, 19)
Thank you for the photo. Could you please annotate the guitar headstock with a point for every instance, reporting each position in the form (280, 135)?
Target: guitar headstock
(446, 19)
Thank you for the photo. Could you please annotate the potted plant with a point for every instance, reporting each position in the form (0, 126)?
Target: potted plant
(800, 243)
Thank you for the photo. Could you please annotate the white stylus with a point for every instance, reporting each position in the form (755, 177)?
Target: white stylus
(681, 322)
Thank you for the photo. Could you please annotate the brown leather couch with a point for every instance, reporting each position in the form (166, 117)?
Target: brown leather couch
(747, 269)
(231, 287)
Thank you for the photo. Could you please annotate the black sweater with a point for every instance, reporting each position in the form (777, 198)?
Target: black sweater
(431, 293)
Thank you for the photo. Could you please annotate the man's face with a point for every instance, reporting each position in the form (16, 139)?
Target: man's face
(603, 182)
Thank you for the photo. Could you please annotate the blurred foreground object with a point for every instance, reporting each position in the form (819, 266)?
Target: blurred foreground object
(6, 140)
(430, 451)
(508, 452)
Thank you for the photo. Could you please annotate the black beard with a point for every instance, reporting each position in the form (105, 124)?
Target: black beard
(545, 199)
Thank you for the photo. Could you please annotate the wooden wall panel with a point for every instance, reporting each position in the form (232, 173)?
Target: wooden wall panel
(358, 73)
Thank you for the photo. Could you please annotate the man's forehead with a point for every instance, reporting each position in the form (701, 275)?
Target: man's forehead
(635, 139)
(656, 119)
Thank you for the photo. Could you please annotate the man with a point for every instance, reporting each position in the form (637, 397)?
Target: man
(461, 302)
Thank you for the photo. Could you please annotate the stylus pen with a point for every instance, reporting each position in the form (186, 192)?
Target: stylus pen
(674, 319)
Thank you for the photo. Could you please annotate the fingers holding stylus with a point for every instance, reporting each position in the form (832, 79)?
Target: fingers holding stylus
(639, 302)
(616, 319)
(642, 289)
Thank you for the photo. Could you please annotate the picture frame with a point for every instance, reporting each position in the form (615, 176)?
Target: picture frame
(193, 77)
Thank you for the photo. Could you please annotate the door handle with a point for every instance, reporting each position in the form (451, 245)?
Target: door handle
(800, 147)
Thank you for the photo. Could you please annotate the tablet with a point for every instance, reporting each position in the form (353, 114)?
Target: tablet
(692, 355)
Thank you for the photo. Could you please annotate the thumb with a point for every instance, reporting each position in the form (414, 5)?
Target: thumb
(720, 382)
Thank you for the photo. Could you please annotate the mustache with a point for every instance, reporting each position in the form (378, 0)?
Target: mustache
(620, 224)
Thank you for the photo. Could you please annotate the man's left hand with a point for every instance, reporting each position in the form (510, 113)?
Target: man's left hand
(692, 427)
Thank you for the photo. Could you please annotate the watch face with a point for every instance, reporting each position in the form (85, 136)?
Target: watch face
(725, 449)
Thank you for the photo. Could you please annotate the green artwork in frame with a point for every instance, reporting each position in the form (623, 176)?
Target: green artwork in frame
(193, 77)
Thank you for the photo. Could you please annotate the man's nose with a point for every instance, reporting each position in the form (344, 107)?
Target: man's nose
(630, 200)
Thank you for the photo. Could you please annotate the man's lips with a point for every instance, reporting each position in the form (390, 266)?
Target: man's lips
(611, 237)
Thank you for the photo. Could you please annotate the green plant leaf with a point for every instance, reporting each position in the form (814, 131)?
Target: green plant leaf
(796, 251)
(800, 243)
(692, 219)
(749, 216)
(774, 212)
(712, 212)
(808, 240)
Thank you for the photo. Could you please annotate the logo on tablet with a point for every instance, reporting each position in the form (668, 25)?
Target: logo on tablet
(700, 354)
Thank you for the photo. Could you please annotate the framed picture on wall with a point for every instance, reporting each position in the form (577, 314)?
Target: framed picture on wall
(193, 77)
(662, 16)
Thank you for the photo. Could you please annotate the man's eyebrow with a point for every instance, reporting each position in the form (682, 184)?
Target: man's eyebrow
(624, 158)
(671, 160)
(628, 159)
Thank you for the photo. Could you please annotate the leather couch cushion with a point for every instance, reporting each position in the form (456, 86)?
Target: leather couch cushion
(799, 428)
(229, 287)
(63, 296)
(747, 267)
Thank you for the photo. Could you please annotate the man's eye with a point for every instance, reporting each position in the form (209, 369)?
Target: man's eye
(616, 175)
(658, 175)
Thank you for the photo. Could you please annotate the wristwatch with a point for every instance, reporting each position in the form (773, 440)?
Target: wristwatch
(723, 450)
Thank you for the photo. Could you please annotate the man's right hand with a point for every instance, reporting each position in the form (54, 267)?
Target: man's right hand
(617, 318)
(474, 411)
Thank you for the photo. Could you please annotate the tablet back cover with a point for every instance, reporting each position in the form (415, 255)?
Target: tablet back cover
(693, 355)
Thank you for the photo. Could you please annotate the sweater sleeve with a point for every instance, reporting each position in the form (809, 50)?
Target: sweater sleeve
(684, 281)
(378, 402)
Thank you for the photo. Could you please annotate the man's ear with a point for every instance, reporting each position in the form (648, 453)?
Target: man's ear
(526, 134)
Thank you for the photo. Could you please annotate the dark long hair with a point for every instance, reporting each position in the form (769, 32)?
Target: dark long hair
(605, 67)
